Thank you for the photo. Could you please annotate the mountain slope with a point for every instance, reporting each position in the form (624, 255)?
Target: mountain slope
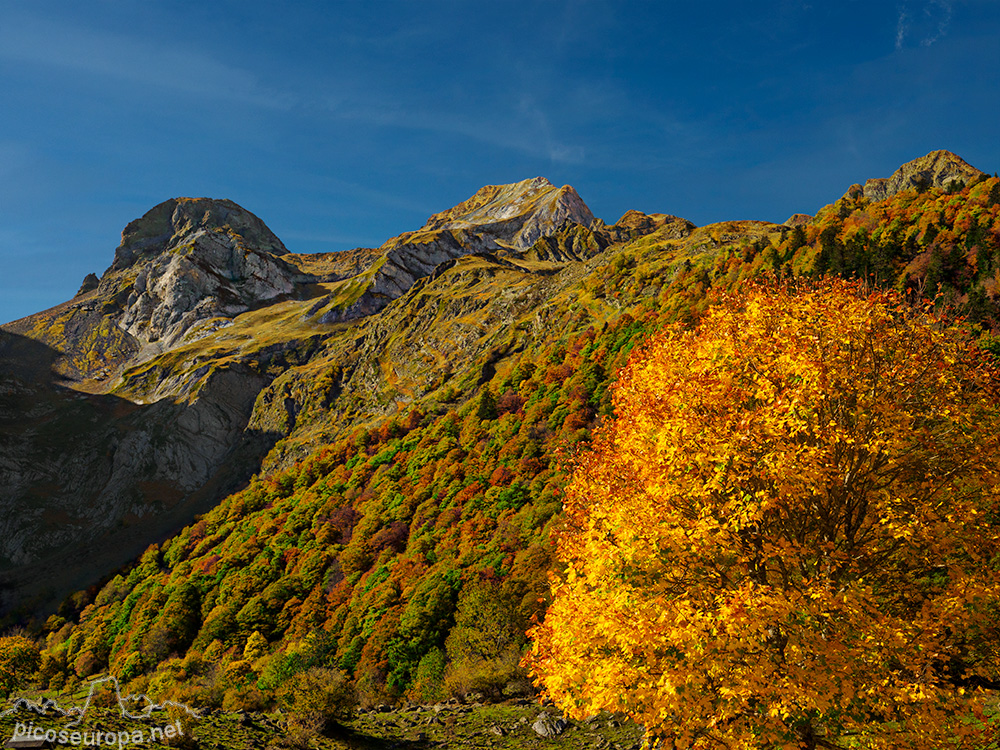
(510, 216)
(202, 308)
(399, 528)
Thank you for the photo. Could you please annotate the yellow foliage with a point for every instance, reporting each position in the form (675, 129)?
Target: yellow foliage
(19, 659)
(789, 535)
(318, 694)
(255, 648)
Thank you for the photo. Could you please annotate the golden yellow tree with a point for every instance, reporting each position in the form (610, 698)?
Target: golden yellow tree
(788, 538)
(19, 659)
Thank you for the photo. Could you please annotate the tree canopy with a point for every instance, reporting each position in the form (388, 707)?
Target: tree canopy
(19, 658)
(788, 537)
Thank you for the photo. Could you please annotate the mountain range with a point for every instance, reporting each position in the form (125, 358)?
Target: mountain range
(134, 405)
(374, 437)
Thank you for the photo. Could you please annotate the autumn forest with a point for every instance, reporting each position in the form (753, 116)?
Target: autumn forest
(738, 482)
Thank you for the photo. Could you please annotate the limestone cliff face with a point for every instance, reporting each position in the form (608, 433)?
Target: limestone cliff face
(90, 479)
(93, 474)
(193, 261)
(510, 216)
(188, 267)
(212, 276)
(937, 169)
(506, 220)
(170, 223)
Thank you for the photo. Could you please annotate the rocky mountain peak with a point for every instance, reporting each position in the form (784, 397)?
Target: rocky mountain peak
(937, 169)
(176, 222)
(500, 220)
(194, 260)
(515, 215)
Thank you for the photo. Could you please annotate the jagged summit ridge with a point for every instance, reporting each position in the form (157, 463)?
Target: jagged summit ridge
(196, 263)
(515, 215)
(937, 169)
(489, 203)
(497, 219)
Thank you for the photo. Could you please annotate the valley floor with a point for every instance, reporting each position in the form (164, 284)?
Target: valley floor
(448, 725)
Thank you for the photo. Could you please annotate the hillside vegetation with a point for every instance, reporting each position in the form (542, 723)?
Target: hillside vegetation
(398, 534)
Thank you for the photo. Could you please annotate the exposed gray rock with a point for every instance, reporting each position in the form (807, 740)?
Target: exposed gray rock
(91, 477)
(937, 169)
(507, 219)
(796, 220)
(512, 216)
(115, 474)
(90, 283)
(546, 725)
(213, 274)
(167, 224)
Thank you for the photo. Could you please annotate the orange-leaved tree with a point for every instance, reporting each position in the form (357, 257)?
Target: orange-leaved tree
(788, 538)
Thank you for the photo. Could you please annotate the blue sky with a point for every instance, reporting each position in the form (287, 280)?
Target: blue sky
(342, 124)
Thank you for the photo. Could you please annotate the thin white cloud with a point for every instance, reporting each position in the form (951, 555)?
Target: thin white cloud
(554, 149)
(938, 13)
(47, 43)
(925, 25)
(516, 129)
(902, 27)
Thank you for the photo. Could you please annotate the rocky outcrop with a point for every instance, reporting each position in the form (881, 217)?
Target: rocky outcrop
(501, 219)
(91, 478)
(192, 260)
(187, 268)
(90, 283)
(546, 725)
(798, 220)
(938, 169)
(511, 216)
(634, 224)
(404, 264)
(214, 274)
(170, 223)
